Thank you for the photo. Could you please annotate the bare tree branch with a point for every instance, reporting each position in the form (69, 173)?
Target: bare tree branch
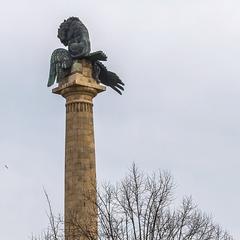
(140, 207)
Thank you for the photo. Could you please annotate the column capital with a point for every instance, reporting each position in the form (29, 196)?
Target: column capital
(79, 82)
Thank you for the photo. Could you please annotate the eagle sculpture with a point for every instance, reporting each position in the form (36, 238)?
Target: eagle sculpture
(74, 35)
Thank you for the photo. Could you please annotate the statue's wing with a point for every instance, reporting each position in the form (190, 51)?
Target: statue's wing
(110, 79)
(61, 61)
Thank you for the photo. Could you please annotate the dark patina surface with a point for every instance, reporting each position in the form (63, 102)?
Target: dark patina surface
(74, 35)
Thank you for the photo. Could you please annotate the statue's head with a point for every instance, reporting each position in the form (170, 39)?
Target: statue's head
(64, 28)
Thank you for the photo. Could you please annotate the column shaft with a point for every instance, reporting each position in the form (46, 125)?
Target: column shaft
(80, 168)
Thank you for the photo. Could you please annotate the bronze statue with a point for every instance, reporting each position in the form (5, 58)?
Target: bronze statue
(74, 35)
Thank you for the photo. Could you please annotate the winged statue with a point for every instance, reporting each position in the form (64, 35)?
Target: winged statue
(74, 35)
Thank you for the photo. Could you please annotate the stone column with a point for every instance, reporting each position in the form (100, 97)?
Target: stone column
(79, 89)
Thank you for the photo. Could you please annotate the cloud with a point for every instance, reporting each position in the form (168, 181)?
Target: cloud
(179, 60)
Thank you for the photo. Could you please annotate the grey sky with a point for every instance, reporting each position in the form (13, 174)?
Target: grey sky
(180, 111)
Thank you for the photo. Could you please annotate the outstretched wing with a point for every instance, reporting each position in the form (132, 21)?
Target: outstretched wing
(60, 65)
(110, 79)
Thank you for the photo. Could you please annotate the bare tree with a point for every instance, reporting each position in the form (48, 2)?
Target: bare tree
(141, 207)
(55, 230)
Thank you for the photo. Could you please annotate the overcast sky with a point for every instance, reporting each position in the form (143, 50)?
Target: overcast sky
(180, 112)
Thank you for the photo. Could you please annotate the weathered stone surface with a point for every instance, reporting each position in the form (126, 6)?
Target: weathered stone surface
(79, 89)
